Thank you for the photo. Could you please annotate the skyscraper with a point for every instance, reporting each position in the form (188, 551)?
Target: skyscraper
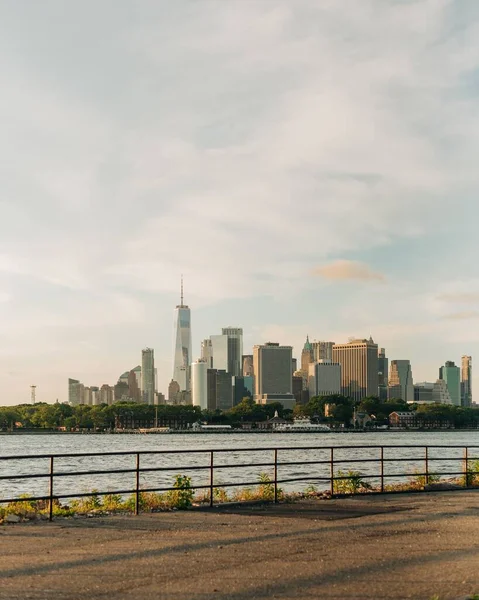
(322, 350)
(182, 357)
(307, 358)
(451, 375)
(400, 381)
(383, 368)
(199, 384)
(466, 381)
(219, 352)
(235, 349)
(272, 368)
(359, 368)
(148, 376)
(248, 369)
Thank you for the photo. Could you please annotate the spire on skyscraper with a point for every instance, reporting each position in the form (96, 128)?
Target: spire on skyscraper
(181, 290)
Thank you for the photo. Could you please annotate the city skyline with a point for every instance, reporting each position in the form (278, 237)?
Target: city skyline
(309, 167)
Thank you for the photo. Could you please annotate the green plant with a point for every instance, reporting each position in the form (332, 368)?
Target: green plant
(311, 489)
(350, 482)
(266, 488)
(182, 496)
(419, 480)
(220, 494)
(471, 476)
(113, 502)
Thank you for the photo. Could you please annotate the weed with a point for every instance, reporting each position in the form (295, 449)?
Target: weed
(182, 496)
(350, 483)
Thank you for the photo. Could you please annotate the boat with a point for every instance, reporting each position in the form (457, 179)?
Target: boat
(301, 426)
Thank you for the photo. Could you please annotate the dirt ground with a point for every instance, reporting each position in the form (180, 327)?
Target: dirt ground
(420, 546)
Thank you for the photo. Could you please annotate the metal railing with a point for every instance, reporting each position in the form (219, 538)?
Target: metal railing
(330, 463)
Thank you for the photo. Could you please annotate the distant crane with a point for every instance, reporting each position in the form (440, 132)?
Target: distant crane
(34, 393)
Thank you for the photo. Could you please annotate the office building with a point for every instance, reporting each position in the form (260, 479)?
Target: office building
(272, 368)
(306, 359)
(450, 373)
(359, 368)
(322, 351)
(148, 383)
(440, 393)
(401, 384)
(87, 396)
(199, 384)
(173, 392)
(324, 378)
(106, 394)
(220, 355)
(134, 391)
(224, 390)
(75, 392)
(242, 388)
(95, 395)
(248, 369)
(182, 355)
(383, 370)
(466, 381)
(211, 377)
(235, 349)
(207, 353)
(423, 392)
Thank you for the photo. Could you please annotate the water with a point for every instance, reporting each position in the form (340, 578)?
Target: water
(38, 444)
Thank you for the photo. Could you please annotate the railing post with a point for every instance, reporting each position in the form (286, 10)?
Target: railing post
(331, 465)
(137, 487)
(212, 474)
(382, 469)
(466, 466)
(427, 465)
(50, 508)
(276, 475)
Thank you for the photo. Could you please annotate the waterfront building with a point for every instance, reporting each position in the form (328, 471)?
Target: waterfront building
(359, 368)
(248, 369)
(272, 368)
(401, 384)
(95, 395)
(423, 392)
(148, 384)
(160, 398)
(106, 394)
(440, 393)
(288, 401)
(466, 381)
(134, 391)
(87, 396)
(324, 378)
(211, 388)
(450, 373)
(224, 390)
(383, 370)
(199, 384)
(235, 349)
(182, 354)
(75, 392)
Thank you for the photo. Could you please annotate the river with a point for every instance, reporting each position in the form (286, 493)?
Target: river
(38, 444)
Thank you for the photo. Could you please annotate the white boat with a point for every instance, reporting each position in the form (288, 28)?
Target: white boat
(300, 426)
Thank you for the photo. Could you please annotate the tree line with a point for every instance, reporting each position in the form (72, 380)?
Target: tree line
(336, 409)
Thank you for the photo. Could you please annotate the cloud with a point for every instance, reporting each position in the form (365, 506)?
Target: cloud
(463, 316)
(347, 270)
(460, 298)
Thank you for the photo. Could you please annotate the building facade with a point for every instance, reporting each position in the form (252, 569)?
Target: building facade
(322, 351)
(235, 349)
(450, 373)
(466, 381)
(248, 369)
(199, 384)
(383, 370)
(182, 353)
(219, 349)
(148, 387)
(359, 368)
(324, 378)
(272, 368)
(401, 385)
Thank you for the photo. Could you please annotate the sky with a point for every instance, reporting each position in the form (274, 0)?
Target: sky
(310, 167)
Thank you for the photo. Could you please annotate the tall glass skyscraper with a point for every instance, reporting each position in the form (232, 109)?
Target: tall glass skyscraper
(235, 350)
(182, 359)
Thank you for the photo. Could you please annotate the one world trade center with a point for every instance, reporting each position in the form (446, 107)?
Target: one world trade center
(181, 368)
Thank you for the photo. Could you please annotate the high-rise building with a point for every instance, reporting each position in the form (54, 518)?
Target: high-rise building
(322, 350)
(75, 392)
(235, 349)
(324, 378)
(207, 353)
(359, 368)
(211, 385)
(272, 368)
(401, 385)
(466, 381)
(450, 373)
(87, 396)
(220, 355)
(199, 384)
(182, 359)
(383, 370)
(423, 392)
(224, 390)
(440, 393)
(306, 359)
(106, 394)
(148, 387)
(173, 392)
(243, 387)
(248, 369)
